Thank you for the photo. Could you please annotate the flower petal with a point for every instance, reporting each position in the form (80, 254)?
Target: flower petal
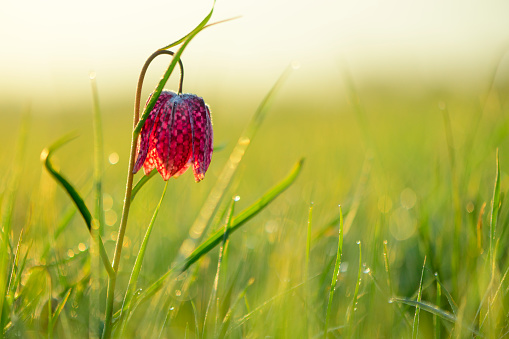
(202, 136)
(143, 148)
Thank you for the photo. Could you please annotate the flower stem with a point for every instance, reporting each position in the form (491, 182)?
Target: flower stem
(112, 278)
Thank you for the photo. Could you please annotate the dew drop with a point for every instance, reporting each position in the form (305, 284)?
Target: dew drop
(391, 301)
(358, 242)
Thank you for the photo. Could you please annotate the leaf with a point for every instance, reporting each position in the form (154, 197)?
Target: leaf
(71, 191)
(335, 273)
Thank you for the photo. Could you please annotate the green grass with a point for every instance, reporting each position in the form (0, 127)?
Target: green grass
(411, 173)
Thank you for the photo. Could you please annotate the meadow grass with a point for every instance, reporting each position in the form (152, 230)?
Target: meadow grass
(418, 248)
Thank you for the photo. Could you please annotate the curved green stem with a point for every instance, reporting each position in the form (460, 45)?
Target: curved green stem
(128, 193)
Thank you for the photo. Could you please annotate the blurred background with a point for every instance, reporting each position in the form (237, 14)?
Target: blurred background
(49, 48)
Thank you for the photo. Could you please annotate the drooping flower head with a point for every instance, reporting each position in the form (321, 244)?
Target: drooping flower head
(177, 134)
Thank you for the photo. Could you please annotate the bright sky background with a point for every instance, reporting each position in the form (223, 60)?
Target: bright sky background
(49, 47)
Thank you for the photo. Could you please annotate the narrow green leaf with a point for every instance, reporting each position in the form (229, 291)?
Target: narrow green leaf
(415, 327)
(436, 322)
(71, 191)
(495, 202)
(334, 274)
(131, 286)
(353, 307)
(452, 303)
(73, 194)
(433, 309)
(59, 309)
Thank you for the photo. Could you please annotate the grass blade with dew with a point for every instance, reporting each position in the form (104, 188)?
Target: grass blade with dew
(353, 307)
(216, 237)
(227, 226)
(211, 204)
(131, 286)
(335, 273)
(436, 321)
(73, 194)
(452, 303)
(7, 210)
(415, 327)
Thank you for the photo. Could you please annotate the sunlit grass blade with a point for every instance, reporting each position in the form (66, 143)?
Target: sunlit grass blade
(425, 306)
(495, 205)
(334, 274)
(73, 194)
(436, 321)
(415, 327)
(216, 237)
(213, 294)
(71, 191)
(7, 210)
(353, 307)
(452, 303)
(131, 286)
(306, 264)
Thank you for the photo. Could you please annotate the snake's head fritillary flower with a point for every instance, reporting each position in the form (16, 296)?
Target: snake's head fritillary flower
(177, 134)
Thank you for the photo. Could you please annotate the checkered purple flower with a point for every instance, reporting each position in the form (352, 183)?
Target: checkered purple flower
(177, 134)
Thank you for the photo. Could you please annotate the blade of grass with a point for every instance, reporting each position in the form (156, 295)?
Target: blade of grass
(495, 202)
(452, 303)
(98, 220)
(213, 295)
(415, 327)
(353, 307)
(335, 274)
(306, 265)
(131, 286)
(54, 315)
(216, 237)
(436, 321)
(7, 210)
(73, 194)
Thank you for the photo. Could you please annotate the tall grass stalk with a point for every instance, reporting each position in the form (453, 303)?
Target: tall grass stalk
(334, 275)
